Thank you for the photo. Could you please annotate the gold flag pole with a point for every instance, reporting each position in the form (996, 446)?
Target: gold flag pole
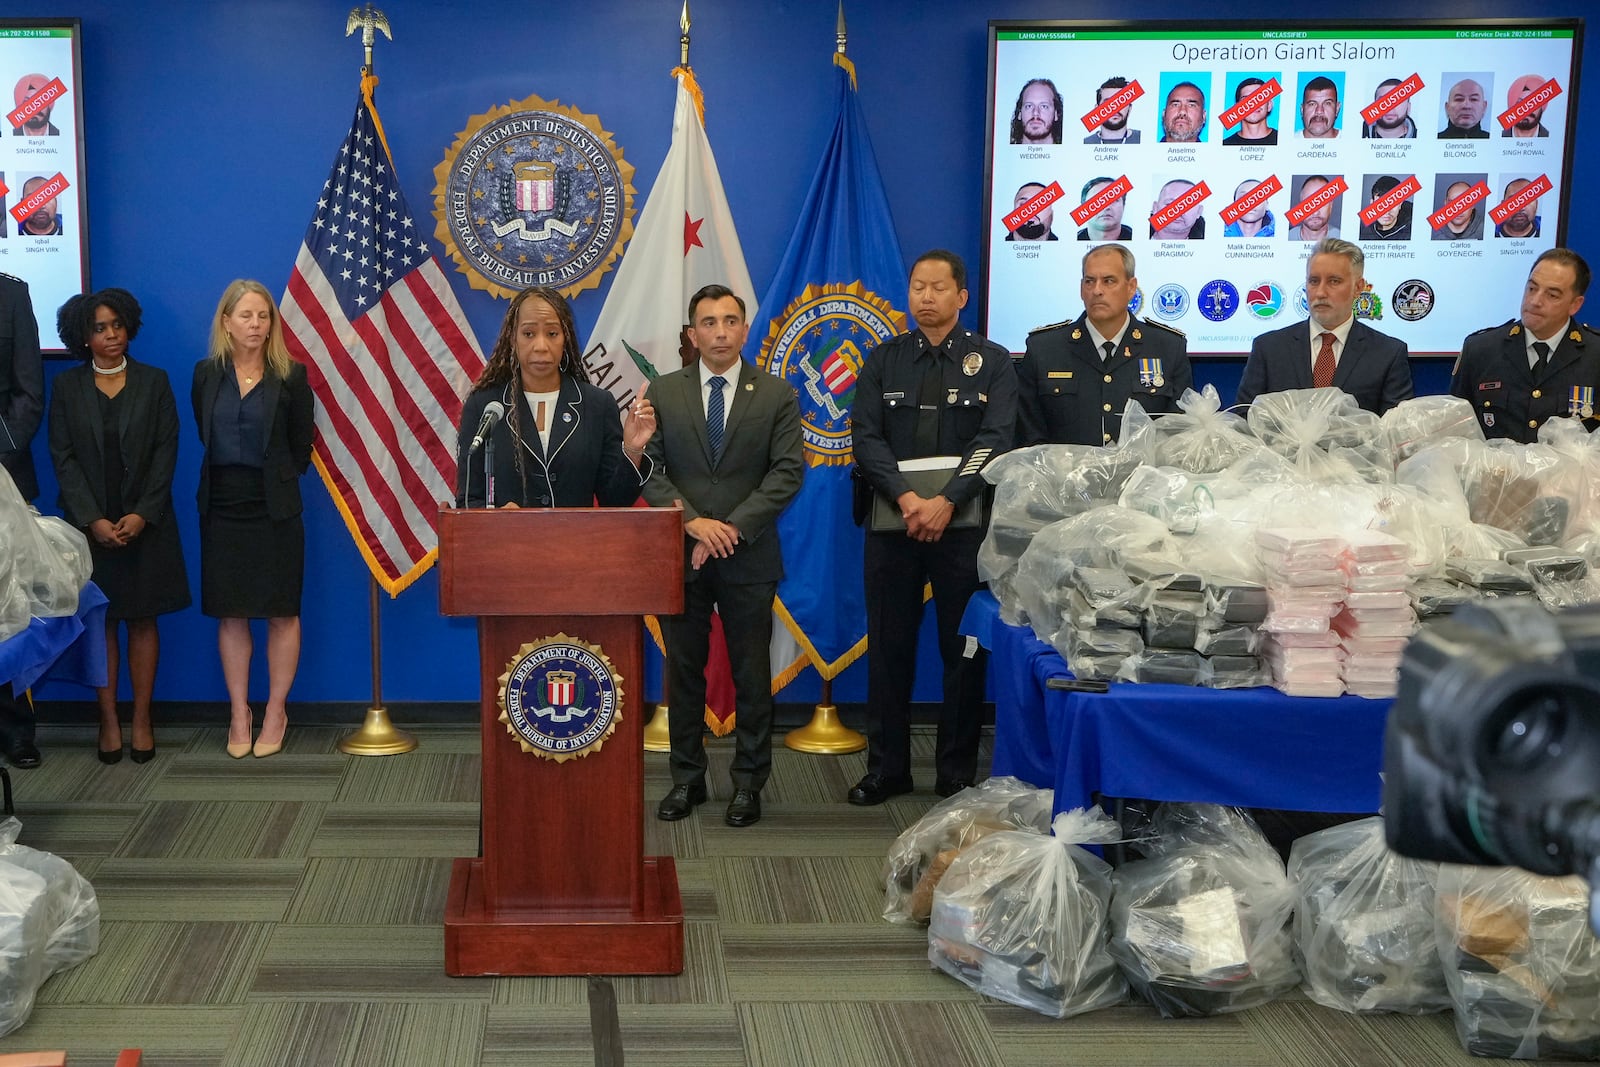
(825, 734)
(658, 731)
(377, 735)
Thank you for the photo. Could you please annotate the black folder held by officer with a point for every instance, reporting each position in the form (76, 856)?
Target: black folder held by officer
(1077, 377)
(932, 407)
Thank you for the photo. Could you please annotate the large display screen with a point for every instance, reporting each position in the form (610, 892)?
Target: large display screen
(44, 236)
(1219, 155)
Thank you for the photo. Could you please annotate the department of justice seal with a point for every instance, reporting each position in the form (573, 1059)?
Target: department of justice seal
(560, 698)
(533, 193)
(817, 344)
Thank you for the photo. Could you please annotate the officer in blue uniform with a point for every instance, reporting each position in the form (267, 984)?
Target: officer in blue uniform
(1540, 366)
(1077, 377)
(939, 391)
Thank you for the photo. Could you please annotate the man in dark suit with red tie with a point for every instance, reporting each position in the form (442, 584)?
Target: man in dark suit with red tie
(727, 447)
(1542, 365)
(1331, 348)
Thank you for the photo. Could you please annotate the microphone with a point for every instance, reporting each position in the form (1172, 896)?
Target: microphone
(493, 412)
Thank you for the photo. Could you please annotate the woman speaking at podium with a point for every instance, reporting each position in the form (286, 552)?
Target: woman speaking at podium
(558, 441)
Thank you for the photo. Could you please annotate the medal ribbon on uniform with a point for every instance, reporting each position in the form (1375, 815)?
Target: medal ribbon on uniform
(1148, 369)
(1580, 401)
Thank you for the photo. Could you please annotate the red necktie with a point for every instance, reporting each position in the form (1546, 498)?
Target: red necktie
(1322, 369)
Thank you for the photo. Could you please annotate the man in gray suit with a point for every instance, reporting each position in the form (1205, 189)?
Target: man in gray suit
(1332, 348)
(727, 447)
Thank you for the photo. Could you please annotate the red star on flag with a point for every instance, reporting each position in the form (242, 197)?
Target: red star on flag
(691, 232)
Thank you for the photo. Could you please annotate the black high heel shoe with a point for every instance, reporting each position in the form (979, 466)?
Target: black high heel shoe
(142, 755)
(115, 756)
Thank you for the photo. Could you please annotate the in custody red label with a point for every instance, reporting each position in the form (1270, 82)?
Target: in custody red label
(1534, 101)
(1391, 200)
(1519, 199)
(1391, 99)
(1262, 96)
(1318, 200)
(1111, 105)
(1263, 192)
(1033, 205)
(39, 197)
(1191, 199)
(1478, 193)
(1104, 198)
(38, 102)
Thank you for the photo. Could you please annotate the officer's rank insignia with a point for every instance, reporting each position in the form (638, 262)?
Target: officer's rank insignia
(533, 193)
(971, 364)
(1516, 328)
(560, 698)
(1077, 334)
(1137, 336)
(1575, 336)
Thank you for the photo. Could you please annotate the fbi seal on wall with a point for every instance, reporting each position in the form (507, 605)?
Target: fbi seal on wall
(560, 698)
(533, 193)
(817, 344)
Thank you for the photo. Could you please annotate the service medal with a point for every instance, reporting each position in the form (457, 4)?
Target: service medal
(971, 364)
(1160, 381)
(1587, 412)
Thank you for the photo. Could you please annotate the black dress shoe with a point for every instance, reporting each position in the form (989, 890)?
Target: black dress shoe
(875, 789)
(143, 755)
(24, 755)
(744, 809)
(680, 801)
(949, 787)
(112, 755)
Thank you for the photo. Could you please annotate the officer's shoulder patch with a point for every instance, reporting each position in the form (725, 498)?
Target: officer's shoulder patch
(1503, 327)
(1051, 326)
(1163, 326)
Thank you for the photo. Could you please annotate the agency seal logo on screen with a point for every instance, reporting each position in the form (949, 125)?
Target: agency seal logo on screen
(1369, 305)
(1265, 300)
(560, 698)
(817, 345)
(1137, 302)
(1218, 300)
(533, 193)
(1170, 302)
(1412, 299)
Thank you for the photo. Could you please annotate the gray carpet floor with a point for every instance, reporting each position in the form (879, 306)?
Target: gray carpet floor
(287, 913)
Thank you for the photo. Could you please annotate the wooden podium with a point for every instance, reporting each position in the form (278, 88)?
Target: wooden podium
(563, 886)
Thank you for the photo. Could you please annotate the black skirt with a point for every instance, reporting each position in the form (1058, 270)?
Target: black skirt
(251, 565)
(147, 577)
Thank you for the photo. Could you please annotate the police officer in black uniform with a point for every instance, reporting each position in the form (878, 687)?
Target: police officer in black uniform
(1077, 377)
(1542, 366)
(21, 410)
(937, 391)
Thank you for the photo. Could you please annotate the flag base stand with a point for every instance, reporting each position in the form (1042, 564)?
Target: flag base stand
(657, 735)
(377, 737)
(825, 734)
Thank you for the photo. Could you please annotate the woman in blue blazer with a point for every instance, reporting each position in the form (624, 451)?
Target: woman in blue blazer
(254, 410)
(561, 442)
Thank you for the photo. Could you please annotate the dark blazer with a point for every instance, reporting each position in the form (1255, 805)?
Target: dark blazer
(21, 383)
(758, 475)
(147, 430)
(1067, 395)
(1513, 401)
(1374, 367)
(584, 462)
(290, 432)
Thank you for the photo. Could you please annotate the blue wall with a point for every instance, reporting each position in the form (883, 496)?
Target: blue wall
(212, 126)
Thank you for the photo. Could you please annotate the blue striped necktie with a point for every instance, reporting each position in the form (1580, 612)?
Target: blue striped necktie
(714, 413)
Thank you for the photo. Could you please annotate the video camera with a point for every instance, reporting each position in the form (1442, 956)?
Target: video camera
(1492, 755)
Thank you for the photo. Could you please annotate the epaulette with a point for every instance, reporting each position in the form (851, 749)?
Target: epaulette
(1515, 325)
(11, 277)
(1163, 326)
(1053, 326)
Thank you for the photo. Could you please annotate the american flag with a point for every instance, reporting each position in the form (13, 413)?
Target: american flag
(388, 354)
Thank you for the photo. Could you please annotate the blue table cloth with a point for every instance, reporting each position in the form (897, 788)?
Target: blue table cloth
(71, 648)
(1249, 747)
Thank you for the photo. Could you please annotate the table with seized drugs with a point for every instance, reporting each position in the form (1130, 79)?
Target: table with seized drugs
(1247, 747)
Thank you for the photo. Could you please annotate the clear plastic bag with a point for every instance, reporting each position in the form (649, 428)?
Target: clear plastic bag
(1364, 922)
(48, 562)
(920, 856)
(1203, 439)
(49, 921)
(1324, 433)
(1201, 925)
(1414, 424)
(1098, 539)
(1022, 918)
(1521, 963)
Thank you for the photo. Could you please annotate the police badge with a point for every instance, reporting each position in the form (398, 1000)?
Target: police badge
(971, 364)
(533, 193)
(560, 698)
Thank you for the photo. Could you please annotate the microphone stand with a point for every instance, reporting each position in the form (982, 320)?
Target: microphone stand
(488, 469)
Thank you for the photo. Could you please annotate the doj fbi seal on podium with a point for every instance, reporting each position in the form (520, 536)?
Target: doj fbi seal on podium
(533, 193)
(560, 698)
(817, 344)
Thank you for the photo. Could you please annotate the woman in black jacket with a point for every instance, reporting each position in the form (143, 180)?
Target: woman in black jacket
(254, 410)
(114, 441)
(561, 442)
